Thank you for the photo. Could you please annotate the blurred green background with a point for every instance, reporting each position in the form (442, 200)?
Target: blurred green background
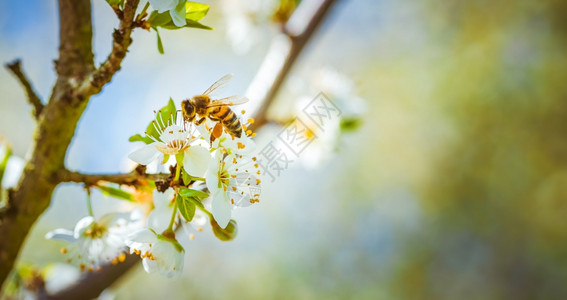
(454, 187)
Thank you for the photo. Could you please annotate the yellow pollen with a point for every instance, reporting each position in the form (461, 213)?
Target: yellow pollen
(122, 257)
(224, 188)
(233, 176)
(90, 269)
(99, 268)
(258, 172)
(253, 134)
(234, 160)
(309, 134)
(234, 188)
(244, 127)
(63, 250)
(251, 121)
(256, 166)
(243, 111)
(248, 132)
(200, 229)
(82, 267)
(240, 145)
(68, 260)
(114, 261)
(254, 158)
(258, 181)
(191, 236)
(251, 200)
(137, 251)
(232, 201)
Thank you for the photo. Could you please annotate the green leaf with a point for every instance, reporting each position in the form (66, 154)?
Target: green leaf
(165, 158)
(188, 193)
(186, 177)
(159, 42)
(139, 138)
(114, 2)
(156, 19)
(115, 192)
(195, 11)
(195, 24)
(186, 208)
(167, 114)
(225, 234)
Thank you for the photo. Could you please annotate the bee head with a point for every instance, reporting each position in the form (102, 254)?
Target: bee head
(188, 110)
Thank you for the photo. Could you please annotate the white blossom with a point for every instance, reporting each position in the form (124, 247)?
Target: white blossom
(159, 253)
(97, 242)
(232, 182)
(175, 140)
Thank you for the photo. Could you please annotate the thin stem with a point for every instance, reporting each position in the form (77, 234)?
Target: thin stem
(89, 202)
(172, 221)
(33, 98)
(143, 11)
(177, 173)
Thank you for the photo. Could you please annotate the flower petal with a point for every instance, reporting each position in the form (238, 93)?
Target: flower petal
(61, 234)
(178, 15)
(159, 218)
(221, 208)
(82, 225)
(163, 5)
(196, 160)
(142, 236)
(145, 155)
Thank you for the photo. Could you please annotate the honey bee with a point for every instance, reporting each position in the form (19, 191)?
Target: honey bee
(218, 110)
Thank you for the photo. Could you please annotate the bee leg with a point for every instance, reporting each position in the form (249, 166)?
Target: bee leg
(199, 122)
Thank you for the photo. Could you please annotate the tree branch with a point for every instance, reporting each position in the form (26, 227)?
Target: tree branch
(89, 286)
(132, 178)
(120, 44)
(284, 51)
(33, 98)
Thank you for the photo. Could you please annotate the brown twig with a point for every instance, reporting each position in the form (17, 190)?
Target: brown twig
(132, 178)
(285, 49)
(33, 98)
(120, 44)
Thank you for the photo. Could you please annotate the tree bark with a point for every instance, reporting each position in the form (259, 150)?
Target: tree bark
(55, 130)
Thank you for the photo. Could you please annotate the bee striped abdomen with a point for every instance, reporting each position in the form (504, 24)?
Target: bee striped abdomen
(228, 119)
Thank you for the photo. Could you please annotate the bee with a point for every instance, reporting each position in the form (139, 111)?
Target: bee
(202, 106)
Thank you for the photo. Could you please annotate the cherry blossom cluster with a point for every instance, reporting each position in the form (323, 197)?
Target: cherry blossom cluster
(210, 177)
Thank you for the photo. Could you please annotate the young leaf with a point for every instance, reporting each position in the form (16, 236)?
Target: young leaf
(186, 177)
(115, 192)
(225, 234)
(188, 193)
(156, 19)
(167, 115)
(195, 11)
(186, 208)
(195, 24)
(139, 138)
(159, 43)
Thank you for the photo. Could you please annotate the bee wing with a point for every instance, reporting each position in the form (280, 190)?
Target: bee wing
(229, 101)
(224, 80)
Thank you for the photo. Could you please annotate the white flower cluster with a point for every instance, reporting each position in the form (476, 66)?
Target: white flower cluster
(221, 167)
